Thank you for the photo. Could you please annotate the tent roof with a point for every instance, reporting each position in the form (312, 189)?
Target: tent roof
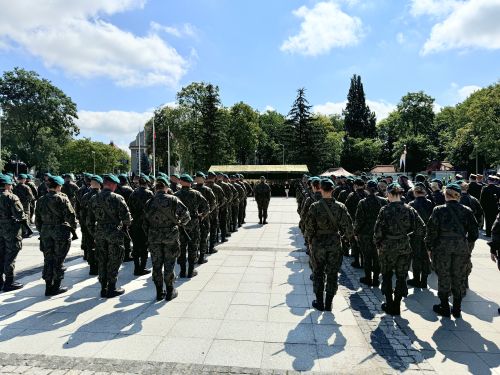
(383, 169)
(336, 172)
(287, 168)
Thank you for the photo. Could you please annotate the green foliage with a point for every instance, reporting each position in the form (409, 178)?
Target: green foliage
(416, 114)
(359, 120)
(38, 118)
(420, 152)
(361, 154)
(245, 132)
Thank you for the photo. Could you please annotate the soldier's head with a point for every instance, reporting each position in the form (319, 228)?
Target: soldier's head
(219, 176)
(479, 178)
(29, 178)
(419, 178)
(6, 182)
(143, 180)
(419, 190)
(316, 184)
(162, 184)
(96, 182)
(186, 180)
(472, 177)
(86, 178)
(200, 178)
(211, 177)
(55, 183)
(382, 186)
(233, 178)
(22, 178)
(389, 180)
(326, 186)
(394, 192)
(492, 179)
(359, 184)
(372, 187)
(464, 186)
(110, 181)
(452, 192)
(262, 179)
(68, 177)
(225, 177)
(436, 185)
(305, 177)
(123, 179)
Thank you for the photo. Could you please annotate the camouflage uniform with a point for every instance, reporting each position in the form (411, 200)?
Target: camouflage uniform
(162, 215)
(473, 203)
(42, 190)
(54, 219)
(394, 223)
(89, 238)
(237, 205)
(421, 265)
(70, 189)
(451, 233)
(209, 195)
(325, 244)
(26, 197)
(32, 186)
(215, 215)
(305, 210)
(198, 207)
(86, 242)
(224, 209)
(351, 204)
(364, 225)
(11, 214)
(136, 203)
(107, 216)
(125, 191)
(243, 203)
(263, 197)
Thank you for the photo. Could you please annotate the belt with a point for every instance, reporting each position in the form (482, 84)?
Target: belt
(399, 237)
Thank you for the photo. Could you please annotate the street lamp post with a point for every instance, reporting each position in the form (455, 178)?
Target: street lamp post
(93, 156)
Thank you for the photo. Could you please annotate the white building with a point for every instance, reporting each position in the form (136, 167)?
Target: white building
(135, 146)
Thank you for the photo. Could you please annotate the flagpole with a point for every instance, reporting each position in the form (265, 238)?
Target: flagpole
(154, 146)
(168, 148)
(139, 138)
(404, 165)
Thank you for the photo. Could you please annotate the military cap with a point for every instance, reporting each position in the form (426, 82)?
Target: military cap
(97, 178)
(225, 175)
(458, 176)
(327, 183)
(122, 175)
(5, 179)
(454, 186)
(438, 181)
(211, 175)
(176, 175)
(472, 175)
(164, 180)
(459, 182)
(200, 174)
(342, 176)
(110, 177)
(69, 175)
(186, 178)
(350, 178)
(22, 176)
(393, 186)
(144, 177)
(29, 177)
(492, 177)
(315, 178)
(57, 180)
(419, 177)
(152, 177)
(10, 174)
(359, 182)
(87, 175)
(371, 184)
(241, 176)
(47, 174)
(420, 186)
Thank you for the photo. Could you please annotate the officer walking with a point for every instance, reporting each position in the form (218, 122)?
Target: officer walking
(262, 197)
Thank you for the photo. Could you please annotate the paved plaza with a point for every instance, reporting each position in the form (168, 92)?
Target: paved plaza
(247, 312)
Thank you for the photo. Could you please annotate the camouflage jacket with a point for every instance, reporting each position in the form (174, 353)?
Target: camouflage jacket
(195, 202)
(451, 220)
(85, 205)
(228, 192)
(42, 189)
(137, 202)
(241, 191)
(395, 222)
(163, 214)
(352, 201)
(220, 196)
(366, 215)
(437, 197)
(107, 212)
(125, 191)
(319, 226)
(473, 203)
(236, 197)
(24, 194)
(344, 194)
(263, 192)
(248, 188)
(11, 209)
(208, 194)
(32, 186)
(423, 206)
(54, 209)
(70, 189)
(307, 203)
(84, 189)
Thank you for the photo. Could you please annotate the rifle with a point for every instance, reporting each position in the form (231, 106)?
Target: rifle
(183, 229)
(124, 230)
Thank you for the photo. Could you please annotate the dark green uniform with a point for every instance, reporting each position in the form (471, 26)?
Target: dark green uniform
(70, 189)
(216, 213)
(224, 210)
(91, 255)
(87, 241)
(136, 203)
(25, 195)
(351, 204)
(262, 197)
(209, 195)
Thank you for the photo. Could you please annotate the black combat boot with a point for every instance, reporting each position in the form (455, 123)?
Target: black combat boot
(113, 291)
(142, 266)
(387, 305)
(93, 270)
(160, 293)
(328, 301)
(423, 281)
(136, 266)
(367, 279)
(182, 274)
(191, 271)
(443, 308)
(213, 250)
(202, 259)
(10, 284)
(396, 307)
(415, 282)
(318, 303)
(58, 289)
(264, 221)
(48, 288)
(457, 308)
(104, 290)
(375, 280)
(171, 294)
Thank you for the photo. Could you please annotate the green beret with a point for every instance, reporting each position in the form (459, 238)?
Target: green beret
(96, 178)
(419, 177)
(393, 186)
(29, 177)
(122, 175)
(459, 182)
(371, 184)
(176, 176)
(225, 175)
(10, 174)
(455, 187)
(241, 176)
(342, 176)
(57, 180)
(420, 186)
(200, 174)
(359, 182)
(163, 180)
(22, 176)
(144, 177)
(5, 180)
(438, 181)
(315, 178)
(212, 175)
(47, 174)
(69, 175)
(110, 177)
(327, 183)
(87, 175)
(186, 178)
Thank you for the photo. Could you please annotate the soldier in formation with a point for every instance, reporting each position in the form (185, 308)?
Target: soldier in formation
(24, 193)
(209, 196)
(262, 197)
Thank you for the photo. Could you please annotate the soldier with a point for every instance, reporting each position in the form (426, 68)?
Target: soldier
(243, 200)
(84, 189)
(474, 187)
(341, 185)
(32, 186)
(234, 196)
(214, 216)
(394, 223)
(326, 220)
(12, 216)
(42, 188)
(136, 203)
(163, 215)
(437, 196)
(348, 189)
(263, 197)
(70, 188)
(55, 220)
(107, 220)
(174, 183)
(382, 188)
(223, 209)
(239, 204)
(490, 196)
(365, 218)
(125, 191)
(235, 209)
(351, 204)
(24, 193)
(209, 195)
(316, 196)
(451, 233)
(421, 265)
(468, 200)
(190, 234)
(95, 188)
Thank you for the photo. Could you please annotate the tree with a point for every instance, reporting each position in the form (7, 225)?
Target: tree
(419, 152)
(38, 118)
(245, 132)
(361, 154)
(359, 120)
(270, 149)
(416, 110)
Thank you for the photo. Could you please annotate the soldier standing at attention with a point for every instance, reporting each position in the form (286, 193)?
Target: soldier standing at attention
(136, 203)
(84, 189)
(55, 219)
(235, 209)
(365, 218)
(233, 196)
(421, 265)
(351, 204)
(474, 187)
(70, 188)
(42, 188)
(125, 191)
(162, 216)
(327, 219)
(214, 216)
(190, 234)
(437, 196)
(241, 198)
(243, 201)
(490, 196)
(209, 195)
(107, 220)
(95, 188)
(224, 208)
(451, 233)
(174, 183)
(394, 223)
(24, 193)
(262, 197)
(11, 217)
(32, 186)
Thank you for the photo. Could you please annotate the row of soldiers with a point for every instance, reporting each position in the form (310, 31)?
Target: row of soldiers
(388, 229)
(175, 219)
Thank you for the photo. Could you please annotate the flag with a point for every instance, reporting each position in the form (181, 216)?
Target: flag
(402, 159)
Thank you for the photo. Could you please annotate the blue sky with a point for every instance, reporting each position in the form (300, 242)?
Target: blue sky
(118, 59)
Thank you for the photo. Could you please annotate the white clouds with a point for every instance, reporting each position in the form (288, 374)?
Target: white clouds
(381, 108)
(457, 93)
(400, 38)
(70, 36)
(466, 91)
(323, 27)
(185, 30)
(432, 7)
(470, 24)
(268, 109)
